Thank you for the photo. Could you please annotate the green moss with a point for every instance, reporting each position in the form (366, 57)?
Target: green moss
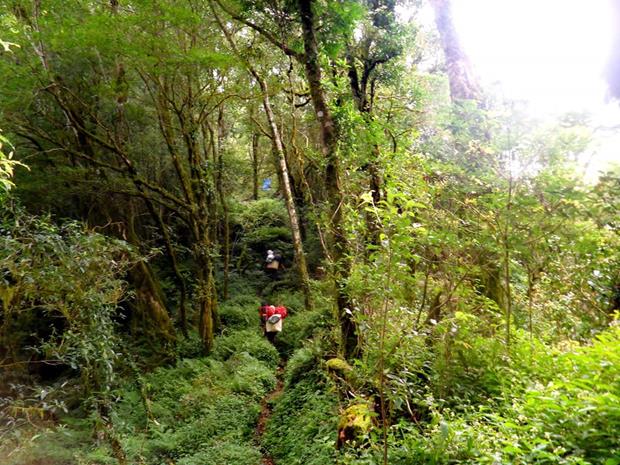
(338, 365)
(357, 418)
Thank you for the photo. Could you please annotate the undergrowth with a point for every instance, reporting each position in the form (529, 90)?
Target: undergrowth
(302, 428)
(199, 411)
(541, 406)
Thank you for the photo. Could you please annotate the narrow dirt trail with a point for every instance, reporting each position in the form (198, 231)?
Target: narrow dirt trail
(265, 413)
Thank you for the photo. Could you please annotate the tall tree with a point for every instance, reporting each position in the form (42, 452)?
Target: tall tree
(163, 84)
(329, 142)
(463, 83)
(278, 146)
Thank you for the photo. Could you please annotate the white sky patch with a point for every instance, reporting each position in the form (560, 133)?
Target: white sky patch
(549, 53)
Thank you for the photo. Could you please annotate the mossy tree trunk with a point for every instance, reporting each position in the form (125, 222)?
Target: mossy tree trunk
(329, 143)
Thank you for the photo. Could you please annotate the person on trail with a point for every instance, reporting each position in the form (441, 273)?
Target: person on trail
(262, 313)
(272, 317)
(273, 263)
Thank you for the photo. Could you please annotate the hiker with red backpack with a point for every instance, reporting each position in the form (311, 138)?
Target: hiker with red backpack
(271, 317)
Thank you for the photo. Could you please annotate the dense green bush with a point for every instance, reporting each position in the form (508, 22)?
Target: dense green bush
(198, 409)
(301, 324)
(305, 362)
(237, 316)
(551, 407)
(242, 299)
(224, 453)
(248, 341)
(249, 376)
(298, 328)
(260, 225)
(302, 428)
(577, 415)
(62, 286)
(190, 346)
(47, 446)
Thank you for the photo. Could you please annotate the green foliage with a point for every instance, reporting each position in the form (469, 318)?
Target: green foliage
(578, 413)
(198, 410)
(250, 377)
(62, 285)
(190, 346)
(62, 446)
(7, 164)
(484, 235)
(261, 225)
(248, 341)
(302, 428)
(300, 326)
(204, 409)
(556, 407)
(237, 316)
(304, 362)
(224, 453)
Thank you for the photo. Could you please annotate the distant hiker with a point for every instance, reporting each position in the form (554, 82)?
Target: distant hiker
(272, 316)
(273, 263)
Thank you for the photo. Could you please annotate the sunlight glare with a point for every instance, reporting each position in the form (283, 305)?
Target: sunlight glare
(548, 53)
(551, 53)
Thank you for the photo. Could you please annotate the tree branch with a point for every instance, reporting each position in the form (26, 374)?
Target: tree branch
(265, 33)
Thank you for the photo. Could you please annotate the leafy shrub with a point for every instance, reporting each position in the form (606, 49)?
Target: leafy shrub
(194, 406)
(569, 414)
(250, 377)
(471, 368)
(302, 428)
(224, 453)
(165, 387)
(235, 316)
(246, 341)
(292, 300)
(298, 328)
(190, 346)
(227, 416)
(243, 299)
(261, 225)
(62, 286)
(47, 446)
(242, 288)
(578, 414)
(305, 361)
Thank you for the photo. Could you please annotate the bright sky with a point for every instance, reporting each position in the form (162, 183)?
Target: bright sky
(551, 53)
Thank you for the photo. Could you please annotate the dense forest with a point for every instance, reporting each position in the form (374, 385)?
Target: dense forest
(452, 282)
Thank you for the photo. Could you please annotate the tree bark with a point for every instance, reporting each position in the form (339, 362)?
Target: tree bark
(329, 142)
(149, 313)
(288, 195)
(254, 154)
(463, 83)
(219, 183)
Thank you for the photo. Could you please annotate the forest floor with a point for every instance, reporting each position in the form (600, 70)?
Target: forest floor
(265, 413)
